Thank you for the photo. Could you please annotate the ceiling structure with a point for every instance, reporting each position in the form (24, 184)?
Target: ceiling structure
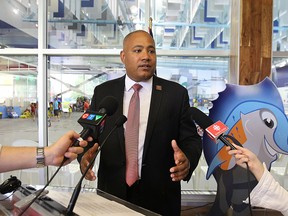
(178, 24)
(87, 24)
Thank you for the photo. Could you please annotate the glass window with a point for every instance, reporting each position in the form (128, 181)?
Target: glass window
(186, 32)
(191, 24)
(103, 24)
(204, 77)
(279, 74)
(184, 25)
(280, 23)
(72, 79)
(92, 24)
(18, 107)
(18, 24)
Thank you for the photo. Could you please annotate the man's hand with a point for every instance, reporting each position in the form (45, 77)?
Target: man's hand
(181, 170)
(86, 159)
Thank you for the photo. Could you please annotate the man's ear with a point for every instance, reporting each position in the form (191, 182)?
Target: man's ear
(122, 56)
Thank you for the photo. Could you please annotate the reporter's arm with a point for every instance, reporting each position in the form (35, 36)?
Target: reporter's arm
(268, 193)
(54, 154)
(14, 158)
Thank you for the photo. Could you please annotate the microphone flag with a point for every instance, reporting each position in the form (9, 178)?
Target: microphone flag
(216, 130)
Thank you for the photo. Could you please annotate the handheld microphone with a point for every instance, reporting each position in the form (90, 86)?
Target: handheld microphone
(91, 121)
(214, 130)
(120, 121)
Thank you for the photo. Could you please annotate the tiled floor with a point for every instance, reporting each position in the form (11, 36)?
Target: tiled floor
(13, 129)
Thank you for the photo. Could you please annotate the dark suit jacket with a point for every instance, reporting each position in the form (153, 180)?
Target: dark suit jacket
(168, 119)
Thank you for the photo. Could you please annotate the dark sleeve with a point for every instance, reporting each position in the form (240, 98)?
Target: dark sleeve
(189, 139)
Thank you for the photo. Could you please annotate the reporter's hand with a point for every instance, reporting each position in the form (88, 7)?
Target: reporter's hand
(54, 154)
(181, 170)
(244, 156)
(87, 157)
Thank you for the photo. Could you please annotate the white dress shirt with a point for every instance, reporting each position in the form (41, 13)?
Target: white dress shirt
(145, 99)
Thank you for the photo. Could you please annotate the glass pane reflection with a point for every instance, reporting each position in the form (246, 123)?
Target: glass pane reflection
(73, 77)
(92, 24)
(184, 24)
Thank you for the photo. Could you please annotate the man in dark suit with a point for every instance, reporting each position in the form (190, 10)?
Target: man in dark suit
(169, 146)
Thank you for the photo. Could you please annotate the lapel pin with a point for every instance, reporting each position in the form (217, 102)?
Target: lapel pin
(158, 87)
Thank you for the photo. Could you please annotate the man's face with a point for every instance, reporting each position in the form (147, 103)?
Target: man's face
(139, 56)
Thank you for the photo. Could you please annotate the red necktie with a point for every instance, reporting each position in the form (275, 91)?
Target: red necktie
(132, 136)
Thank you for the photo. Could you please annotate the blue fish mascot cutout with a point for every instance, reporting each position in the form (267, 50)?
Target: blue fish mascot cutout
(256, 119)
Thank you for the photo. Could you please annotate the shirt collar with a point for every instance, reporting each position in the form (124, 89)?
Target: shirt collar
(145, 84)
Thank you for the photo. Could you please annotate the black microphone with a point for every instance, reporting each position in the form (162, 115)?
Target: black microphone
(69, 212)
(92, 121)
(214, 130)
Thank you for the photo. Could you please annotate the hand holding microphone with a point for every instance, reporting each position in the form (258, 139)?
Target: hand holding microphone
(120, 121)
(91, 122)
(247, 159)
(91, 154)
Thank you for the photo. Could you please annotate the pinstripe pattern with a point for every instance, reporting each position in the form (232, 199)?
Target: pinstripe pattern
(131, 137)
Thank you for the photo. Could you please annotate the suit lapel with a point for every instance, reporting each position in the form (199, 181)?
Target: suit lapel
(119, 95)
(156, 98)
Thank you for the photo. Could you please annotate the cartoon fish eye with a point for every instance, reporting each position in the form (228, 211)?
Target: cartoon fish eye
(269, 119)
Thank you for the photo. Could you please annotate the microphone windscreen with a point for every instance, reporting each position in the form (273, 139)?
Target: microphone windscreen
(200, 118)
(109, 104)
